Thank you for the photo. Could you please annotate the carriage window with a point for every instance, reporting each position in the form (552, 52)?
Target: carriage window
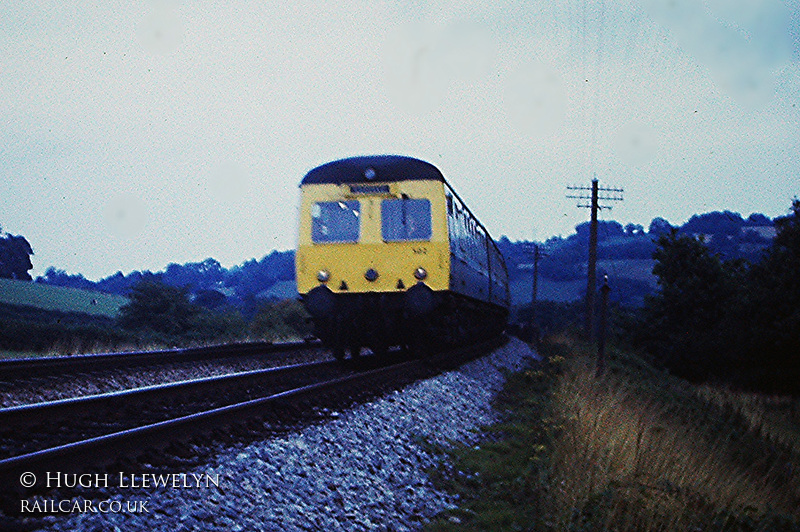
(335, 221)
(405, 219)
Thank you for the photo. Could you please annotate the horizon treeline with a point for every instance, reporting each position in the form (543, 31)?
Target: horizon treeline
(729, 234)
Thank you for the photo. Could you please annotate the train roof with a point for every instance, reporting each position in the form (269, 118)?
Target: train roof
(373, 169)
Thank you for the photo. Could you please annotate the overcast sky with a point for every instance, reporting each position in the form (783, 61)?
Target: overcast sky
(135, 134)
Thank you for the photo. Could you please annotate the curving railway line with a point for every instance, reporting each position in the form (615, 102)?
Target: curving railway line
(93, 432)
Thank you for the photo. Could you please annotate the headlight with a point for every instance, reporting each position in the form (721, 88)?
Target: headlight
(420, 274)
(371, 275)
(323, 276)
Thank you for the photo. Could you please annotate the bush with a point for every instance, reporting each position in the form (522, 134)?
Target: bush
(281, 320)
(158, 313)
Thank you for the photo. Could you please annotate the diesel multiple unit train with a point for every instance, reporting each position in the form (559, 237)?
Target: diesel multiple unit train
(388, 254)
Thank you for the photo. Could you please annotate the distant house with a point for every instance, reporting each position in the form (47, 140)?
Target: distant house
(703, 237)
(764, 231)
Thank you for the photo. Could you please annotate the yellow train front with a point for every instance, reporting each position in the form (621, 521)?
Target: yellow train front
(388, 254)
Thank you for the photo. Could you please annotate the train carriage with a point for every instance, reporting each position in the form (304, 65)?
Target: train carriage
(388, 254)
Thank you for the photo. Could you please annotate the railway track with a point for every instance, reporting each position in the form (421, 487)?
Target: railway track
(11, 369)
(14, 369)
(85, 417)
(38, 380)
(268, 398)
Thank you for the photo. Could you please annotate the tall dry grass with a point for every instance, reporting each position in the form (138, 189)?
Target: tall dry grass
(631, 458)
(776, 418)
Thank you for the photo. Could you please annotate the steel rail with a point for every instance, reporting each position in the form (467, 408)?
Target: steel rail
(103, 450)
(53, 411)
(38, 367)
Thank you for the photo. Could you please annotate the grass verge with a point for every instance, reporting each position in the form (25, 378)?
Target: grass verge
(637, 449)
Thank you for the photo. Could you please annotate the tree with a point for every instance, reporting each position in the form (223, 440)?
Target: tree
(158, 308)
(122, 284)
(773, 310)
(728, 320)
(758, 219)
(56, 277)
(714, 223)
(684, 318)
(254, 276)
(195, 275)
(15, 261)
(605, 230)
(659, 226)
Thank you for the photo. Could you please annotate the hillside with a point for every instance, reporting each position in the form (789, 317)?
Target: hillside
(60, 299)
(39, 318)
(625, 254)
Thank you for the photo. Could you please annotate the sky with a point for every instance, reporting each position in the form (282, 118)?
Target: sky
(136, 134)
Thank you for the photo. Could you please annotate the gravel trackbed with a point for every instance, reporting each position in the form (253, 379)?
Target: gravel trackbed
(363, 469)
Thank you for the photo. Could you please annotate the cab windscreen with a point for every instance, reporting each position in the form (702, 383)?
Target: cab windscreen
(405, 219)
(335, 221)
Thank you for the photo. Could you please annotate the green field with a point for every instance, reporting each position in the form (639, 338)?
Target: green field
(60, 299)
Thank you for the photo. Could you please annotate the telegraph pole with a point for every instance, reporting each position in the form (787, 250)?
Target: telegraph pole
(536, 253)
(601, 340)
(535, 287)
(592, 265)
(611, 194)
